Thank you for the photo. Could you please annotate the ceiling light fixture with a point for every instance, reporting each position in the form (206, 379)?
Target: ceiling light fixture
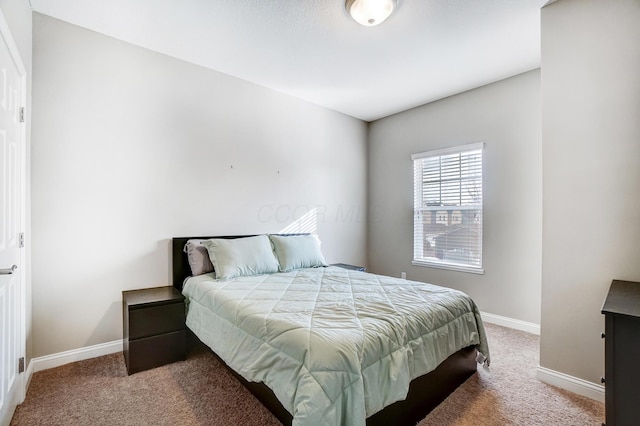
(370, 12)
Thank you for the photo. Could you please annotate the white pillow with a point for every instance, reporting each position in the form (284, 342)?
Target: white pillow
(297, 251)
(241, 256)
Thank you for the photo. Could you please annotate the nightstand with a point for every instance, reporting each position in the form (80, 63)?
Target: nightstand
(351, 267)
(153, 328)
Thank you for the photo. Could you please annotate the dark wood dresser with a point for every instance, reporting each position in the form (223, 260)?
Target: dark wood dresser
(621, 311)
(153, 327)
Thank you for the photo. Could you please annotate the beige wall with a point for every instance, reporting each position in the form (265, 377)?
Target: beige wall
(18, 15)
(131, 148)
(591, 169)
(506, 116)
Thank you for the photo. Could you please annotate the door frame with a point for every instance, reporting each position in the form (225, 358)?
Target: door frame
(22, 379)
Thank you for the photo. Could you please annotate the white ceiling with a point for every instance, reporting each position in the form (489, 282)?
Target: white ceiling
(311, 49)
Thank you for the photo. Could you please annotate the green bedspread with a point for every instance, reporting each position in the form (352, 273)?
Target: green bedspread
(335, 345)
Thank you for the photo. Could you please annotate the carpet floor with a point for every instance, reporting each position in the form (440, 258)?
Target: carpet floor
(200, 391)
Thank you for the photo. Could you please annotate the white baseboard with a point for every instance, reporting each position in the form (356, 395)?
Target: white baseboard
(570, 383)
(29, 373)
(62, 358)
(529, 327)
(555, 378)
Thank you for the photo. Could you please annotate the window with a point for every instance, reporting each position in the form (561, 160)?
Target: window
(447, 220)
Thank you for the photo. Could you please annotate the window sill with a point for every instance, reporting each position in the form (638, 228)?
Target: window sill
(448, 266)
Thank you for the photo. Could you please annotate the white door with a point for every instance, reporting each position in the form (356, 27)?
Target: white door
(12, 202)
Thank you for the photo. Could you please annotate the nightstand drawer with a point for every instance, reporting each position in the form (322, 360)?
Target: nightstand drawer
(155, 351)
(154, 320)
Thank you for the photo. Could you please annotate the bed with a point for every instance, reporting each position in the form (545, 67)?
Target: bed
(330, 345)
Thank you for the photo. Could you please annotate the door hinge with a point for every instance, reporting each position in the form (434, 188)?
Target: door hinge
(22, 114)
(21, 365)
(21, 240)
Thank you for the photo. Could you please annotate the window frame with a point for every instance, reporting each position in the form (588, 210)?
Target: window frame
(418, 222)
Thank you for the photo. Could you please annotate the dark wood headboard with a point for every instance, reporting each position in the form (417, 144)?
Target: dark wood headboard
(181, 269)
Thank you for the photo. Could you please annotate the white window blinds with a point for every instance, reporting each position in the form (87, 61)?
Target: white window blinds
(447, 224)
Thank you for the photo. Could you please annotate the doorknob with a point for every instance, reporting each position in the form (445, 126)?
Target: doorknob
(8, 271)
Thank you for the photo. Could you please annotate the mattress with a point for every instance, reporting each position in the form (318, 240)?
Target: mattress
(334, 345)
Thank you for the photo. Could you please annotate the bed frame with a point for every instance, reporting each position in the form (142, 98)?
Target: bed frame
(425, 392)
